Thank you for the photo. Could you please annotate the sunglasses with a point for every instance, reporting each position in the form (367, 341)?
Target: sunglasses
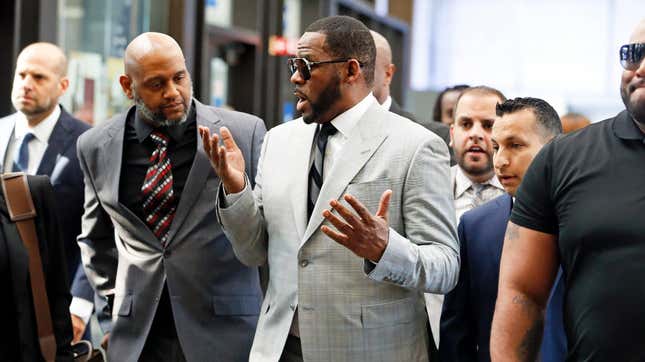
(631, 55)
(303, 66)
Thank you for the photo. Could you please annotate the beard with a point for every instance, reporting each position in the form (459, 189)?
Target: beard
(636, 109)
(158, 118)
(325, 100)
(476, 170)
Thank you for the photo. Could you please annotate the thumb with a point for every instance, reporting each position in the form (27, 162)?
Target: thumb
(384, 205)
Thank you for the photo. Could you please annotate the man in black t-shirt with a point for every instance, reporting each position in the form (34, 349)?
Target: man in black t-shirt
(580, 205)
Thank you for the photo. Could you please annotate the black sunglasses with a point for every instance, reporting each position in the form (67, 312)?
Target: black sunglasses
(303, 66)
(631, 55)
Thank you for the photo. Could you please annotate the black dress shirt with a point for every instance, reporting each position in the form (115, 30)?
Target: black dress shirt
(137, 149)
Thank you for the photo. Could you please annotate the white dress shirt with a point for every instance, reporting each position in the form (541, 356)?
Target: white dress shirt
(465, 191)
(344, 123)
(36, 146)
(388, 103)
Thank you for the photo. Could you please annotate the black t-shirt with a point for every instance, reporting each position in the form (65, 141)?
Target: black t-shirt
(589, 189)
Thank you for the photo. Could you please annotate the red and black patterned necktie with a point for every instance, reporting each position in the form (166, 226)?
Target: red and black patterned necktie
(159, 200)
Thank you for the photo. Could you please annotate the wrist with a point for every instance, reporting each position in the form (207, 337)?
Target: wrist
(234, 187)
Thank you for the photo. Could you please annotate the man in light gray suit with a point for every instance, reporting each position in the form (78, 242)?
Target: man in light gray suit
(344, 285)
(176, 290)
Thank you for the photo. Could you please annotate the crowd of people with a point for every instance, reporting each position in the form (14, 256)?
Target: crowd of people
(356, 232)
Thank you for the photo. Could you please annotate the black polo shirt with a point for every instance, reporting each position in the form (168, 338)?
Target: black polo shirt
(589, 189)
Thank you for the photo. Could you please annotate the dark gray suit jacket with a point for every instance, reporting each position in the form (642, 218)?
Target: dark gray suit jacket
(215, 299)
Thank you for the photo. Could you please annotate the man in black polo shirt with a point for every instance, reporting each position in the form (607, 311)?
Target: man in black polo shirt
(580, 204)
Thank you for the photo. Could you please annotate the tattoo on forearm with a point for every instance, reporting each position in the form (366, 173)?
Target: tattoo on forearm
(530, 345)
(512, 232)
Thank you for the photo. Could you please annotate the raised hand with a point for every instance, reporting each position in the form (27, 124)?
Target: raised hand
(364, 234)
(227, 160)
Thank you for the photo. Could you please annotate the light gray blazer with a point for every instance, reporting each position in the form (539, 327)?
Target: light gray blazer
(215, 299)
(349, 310)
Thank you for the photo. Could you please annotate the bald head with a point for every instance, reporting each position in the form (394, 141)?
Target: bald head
(383, 49)
(149, 47)
(39, 81)
(573, 122)
(157, 80)
(48, 54)
(383, 68)
(639, 32)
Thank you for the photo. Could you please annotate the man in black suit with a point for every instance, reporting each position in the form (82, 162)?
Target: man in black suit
(40, 138)
(19, 332)
(383, 73)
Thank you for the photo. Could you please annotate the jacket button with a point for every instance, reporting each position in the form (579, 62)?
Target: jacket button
(304, 263)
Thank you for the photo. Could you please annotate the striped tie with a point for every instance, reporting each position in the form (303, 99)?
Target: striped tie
(316, 171)
(158, 195)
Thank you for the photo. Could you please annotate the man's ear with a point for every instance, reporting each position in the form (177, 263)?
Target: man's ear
(63, 85)
(452, 135)
(389, 73)
(126, 85)
(353, 70)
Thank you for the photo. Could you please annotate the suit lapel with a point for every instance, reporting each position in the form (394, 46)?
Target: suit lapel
(57, 144)
(363, 141)
(504, 206)
(199, 171)
(298, 162)
(5, 137)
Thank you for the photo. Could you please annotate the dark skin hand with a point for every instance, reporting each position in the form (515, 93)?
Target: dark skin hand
(366, 235)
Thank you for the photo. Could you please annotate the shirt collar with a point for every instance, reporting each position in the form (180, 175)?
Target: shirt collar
(625, 128)
(388, 103)
(463, 183)
(42, 130)
(143, 129)
(346, 121)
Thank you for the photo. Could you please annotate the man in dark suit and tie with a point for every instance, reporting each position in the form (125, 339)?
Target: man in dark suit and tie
(526, 124)
(40, 139)
(383, 73)
(175, 287)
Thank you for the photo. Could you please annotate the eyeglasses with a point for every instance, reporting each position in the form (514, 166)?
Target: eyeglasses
(303, 66)
(631, 55)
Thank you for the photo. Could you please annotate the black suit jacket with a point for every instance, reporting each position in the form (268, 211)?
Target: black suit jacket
(439, 129)
(54, 268)
(60, 163)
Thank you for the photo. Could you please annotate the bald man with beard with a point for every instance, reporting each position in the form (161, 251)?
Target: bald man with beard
(174, 287)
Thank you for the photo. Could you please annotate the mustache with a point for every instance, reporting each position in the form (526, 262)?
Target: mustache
(638, 84)
(299, 94)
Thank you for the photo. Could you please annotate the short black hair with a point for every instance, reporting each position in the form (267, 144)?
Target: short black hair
(347, 37)
(546, 118)
(436, 110)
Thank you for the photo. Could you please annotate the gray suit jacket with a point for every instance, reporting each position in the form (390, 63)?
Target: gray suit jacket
(348, 309)
(215, 299)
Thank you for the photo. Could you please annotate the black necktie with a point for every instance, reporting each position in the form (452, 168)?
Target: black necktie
(316, 172)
